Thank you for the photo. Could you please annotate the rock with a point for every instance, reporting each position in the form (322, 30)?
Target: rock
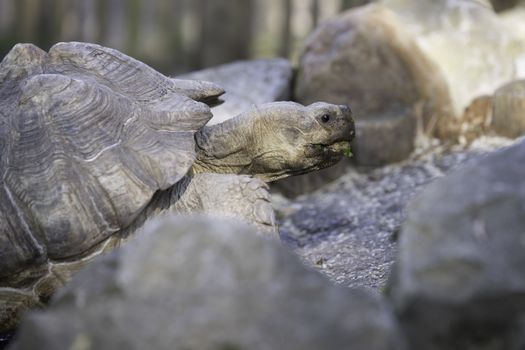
(385, 139)
(508, 115)
(348, 228)
(473, 124)
(366, 59)
(437, 56)
(459, 281)
(247, 83)
(502, 5)
(192, 283)
(513, 20)
(476, 52)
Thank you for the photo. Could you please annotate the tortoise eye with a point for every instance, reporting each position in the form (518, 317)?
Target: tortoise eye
(325, 118)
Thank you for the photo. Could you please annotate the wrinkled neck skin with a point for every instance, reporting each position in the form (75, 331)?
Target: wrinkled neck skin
(232, 147)
(222, 148)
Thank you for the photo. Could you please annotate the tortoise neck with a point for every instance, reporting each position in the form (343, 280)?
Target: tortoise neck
(225, 148)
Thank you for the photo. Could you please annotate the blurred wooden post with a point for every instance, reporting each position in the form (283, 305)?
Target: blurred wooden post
(101, 10)
(170, 14)
(346, 4)
(226, 30)
(26, 14)
(286, 29)
(132, 26)
(315, 13)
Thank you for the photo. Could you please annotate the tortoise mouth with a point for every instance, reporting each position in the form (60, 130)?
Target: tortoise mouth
(336, 148)
(328, 154)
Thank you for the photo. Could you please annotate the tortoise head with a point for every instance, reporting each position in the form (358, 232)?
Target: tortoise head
(294, 139)
(279, 139)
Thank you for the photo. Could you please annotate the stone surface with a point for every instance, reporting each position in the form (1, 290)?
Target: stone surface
(204, 284)
(247, 83)
(508, 109)
(348, 228)
(366, 59)
(385, 139)
(459, 281)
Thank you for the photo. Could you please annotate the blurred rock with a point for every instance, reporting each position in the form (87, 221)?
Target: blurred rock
(191, 283)
(502, 5)
(473, 124)
(459, 281)
(432, 58)
(508, 116)
(475, 50)
(385, 139)
(247, 83)
(513, 20)
(366, 59)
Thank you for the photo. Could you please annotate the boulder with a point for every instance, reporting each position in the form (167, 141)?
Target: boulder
(508, 109)
(348, 228)
(368, 60)
(247, 83)
(504, 5)
(475, 50)
(459, 281)
(195, 283)
(427, 58)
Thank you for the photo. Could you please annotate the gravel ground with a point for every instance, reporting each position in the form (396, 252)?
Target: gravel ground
(348, 229)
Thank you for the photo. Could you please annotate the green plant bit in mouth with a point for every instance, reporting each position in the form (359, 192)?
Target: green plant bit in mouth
(348, 152)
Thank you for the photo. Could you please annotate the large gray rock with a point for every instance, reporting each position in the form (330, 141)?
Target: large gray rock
(205, 284)
(508, 109)
(427, 58)
(475, 51)
(247, 83)
(348, 228)
(460, 276)
(365, 58)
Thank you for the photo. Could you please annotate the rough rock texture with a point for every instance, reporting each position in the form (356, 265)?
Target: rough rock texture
(247, 83)
(460, 276)
(348, 228)
(204, 284)
(508, 110)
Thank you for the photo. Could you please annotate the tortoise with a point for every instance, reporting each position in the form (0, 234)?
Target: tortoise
(93, 143)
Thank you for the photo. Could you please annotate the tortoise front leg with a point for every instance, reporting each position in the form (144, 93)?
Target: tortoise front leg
(240, 197)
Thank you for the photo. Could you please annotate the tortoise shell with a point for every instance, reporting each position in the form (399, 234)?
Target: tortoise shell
(87, 136)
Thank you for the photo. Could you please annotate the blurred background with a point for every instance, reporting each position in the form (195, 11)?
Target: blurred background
(174, 36)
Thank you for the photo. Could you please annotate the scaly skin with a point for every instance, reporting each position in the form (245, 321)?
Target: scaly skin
(276, 140)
